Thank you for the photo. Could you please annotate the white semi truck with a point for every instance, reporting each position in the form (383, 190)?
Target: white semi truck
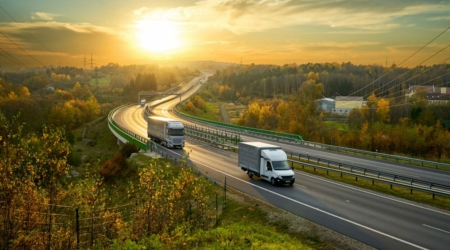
(167, 132)
(266, 161)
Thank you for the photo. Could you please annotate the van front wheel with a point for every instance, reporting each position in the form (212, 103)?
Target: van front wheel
(273, 181)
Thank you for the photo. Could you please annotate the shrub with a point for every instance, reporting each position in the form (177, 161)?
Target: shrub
(111, 168)
(129, 148)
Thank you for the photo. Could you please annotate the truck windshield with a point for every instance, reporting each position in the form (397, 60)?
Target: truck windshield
(176, 132)
(281, 165)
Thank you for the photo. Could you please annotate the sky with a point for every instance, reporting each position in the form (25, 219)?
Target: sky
(93, 33)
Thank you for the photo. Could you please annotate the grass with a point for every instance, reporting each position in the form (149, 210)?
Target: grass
(101, 81)
(341, 126)
(211, 111)
(234, 111)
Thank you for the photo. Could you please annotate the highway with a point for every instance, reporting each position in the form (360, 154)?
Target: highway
(381, 221)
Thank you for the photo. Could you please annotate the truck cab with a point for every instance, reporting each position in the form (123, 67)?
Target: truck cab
(275, 168)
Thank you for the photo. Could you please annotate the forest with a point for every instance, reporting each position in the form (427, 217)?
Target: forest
(284, 98)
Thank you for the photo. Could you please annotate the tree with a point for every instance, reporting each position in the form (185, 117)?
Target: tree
(383, 111)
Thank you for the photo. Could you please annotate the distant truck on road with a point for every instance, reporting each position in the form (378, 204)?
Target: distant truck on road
(167, 132)
(266, 161)
(143, 103)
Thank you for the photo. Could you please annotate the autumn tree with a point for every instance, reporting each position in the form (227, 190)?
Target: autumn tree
(383, 111)
(32, 168)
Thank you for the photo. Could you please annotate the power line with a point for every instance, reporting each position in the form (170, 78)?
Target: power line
(30, 34)
(402, 62)
(423, 72)
(22, 49)
(12, 58)
(416, 66)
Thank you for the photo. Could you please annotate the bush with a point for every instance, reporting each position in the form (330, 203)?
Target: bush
(111, 168)
(129, 148)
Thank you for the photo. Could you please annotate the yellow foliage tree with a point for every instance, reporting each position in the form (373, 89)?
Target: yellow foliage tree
(383, 111)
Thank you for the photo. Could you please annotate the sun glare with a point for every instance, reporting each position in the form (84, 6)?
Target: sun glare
(157, 35)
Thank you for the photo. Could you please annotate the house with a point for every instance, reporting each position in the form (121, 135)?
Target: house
(434, 95)
(325, 104)
(344, 104)
(427, 89)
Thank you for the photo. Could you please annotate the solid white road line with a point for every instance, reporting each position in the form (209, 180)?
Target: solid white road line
(435, 228)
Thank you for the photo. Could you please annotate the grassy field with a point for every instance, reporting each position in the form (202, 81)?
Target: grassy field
(234, 111)
(341, 126)
(100, 81)
(211, 111)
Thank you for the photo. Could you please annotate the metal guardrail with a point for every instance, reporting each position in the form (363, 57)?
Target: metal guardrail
(212, 134)
(375, 154)
(434, 189)
(244, 130)
(364, 171)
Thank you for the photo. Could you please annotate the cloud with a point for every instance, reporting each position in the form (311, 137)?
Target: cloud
(43, 16)
(244, 16)
(439, 18)
(17, 28)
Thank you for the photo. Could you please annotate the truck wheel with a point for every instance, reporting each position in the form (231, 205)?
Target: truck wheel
(250, 175)
(272, 181)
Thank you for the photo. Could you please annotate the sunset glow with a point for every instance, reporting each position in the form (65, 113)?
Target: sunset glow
(252, 31)
(157, 36)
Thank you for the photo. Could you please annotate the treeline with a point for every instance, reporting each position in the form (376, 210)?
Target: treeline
(285, 99)
(44, 205)
(57, 108)
(68, 96)
(270, 81)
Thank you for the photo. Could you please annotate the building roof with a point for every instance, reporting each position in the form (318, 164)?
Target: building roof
(427, 88)
(349, 98)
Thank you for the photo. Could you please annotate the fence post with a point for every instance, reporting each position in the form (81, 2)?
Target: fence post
(77, 223)
(225, 192)
(217, 208)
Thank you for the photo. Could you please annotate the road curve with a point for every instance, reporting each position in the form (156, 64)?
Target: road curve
(378, 220)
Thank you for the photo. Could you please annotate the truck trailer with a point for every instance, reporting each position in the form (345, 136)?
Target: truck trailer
(266, 161)
(166, 131)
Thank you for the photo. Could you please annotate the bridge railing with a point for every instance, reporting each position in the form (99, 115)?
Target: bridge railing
(126, 134)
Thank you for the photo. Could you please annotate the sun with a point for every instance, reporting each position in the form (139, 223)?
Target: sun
(157, 35)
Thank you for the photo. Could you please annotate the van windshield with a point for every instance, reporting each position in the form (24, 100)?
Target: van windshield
(281, 165)
(176, 132)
